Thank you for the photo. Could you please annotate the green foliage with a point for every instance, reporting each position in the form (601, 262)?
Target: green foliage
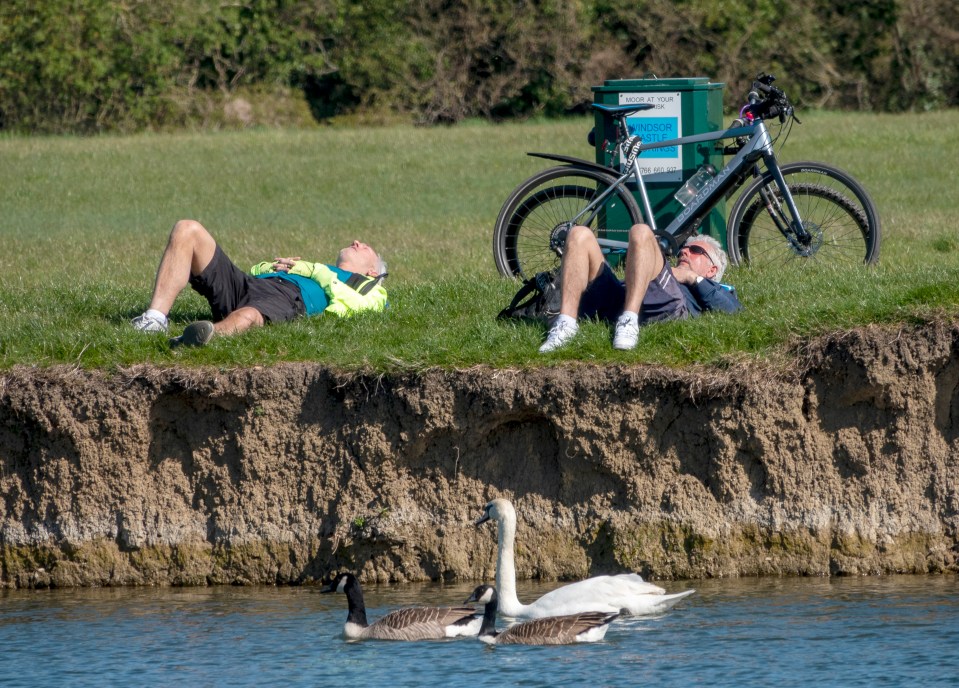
(75, 65)
(90, 65)
(86, 66)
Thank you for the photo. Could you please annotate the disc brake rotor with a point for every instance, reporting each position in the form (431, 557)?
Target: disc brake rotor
(557, 238)
(816, 239)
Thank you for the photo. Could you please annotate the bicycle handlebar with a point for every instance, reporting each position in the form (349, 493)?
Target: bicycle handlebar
(772, 103)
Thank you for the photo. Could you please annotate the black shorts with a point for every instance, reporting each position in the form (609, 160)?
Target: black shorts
(227, 288)
(605, 297)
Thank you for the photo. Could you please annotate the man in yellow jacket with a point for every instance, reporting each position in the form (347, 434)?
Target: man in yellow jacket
(272, 291)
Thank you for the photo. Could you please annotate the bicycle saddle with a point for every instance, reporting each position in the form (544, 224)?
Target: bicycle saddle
(622, 109)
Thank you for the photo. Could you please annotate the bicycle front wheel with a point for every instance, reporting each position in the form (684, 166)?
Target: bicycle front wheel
(531, 229)
(840, 219)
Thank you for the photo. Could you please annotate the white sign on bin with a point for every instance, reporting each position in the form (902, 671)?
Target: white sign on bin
(662, 123)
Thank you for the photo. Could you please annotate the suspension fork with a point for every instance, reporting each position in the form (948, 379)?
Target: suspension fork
(791, 224)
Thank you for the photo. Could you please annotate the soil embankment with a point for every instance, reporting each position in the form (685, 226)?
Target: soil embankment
(846, 465)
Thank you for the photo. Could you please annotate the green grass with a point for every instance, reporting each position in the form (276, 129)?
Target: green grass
(84, 221)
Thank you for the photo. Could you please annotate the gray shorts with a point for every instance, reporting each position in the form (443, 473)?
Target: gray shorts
(605, 297)
(227, 288)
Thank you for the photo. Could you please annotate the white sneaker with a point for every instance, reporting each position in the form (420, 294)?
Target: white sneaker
(148, 323)
(559, 335)
(627, 334)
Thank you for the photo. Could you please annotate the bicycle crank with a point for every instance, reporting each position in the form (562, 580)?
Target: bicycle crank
(668, 244)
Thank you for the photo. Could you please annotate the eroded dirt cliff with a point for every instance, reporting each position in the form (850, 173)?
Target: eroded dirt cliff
(846, 464)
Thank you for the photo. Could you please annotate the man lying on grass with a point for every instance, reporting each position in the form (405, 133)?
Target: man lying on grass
(653, 290)
(271, 292)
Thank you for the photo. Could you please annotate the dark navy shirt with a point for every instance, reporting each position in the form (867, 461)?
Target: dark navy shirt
(708, 295)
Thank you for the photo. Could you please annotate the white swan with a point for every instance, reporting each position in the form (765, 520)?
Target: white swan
(585, 627)
(409, 623)
(626, 593)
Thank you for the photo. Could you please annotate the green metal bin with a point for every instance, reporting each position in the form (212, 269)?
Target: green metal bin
(683, 107)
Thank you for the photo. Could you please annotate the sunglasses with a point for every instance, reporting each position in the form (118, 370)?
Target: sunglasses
(699, 251)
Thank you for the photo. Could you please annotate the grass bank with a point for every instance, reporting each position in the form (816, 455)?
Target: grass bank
(84, 222)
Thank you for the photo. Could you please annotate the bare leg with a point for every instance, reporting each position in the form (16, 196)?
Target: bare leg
(644, 260)
(239, 320)
(582, 261)
(189, 250)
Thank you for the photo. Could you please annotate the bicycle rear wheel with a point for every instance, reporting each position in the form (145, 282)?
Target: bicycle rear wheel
(837, 213)
(532, 226)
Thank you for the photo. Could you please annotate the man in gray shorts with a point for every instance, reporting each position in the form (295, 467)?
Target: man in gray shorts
(272, 291)
(652, 291)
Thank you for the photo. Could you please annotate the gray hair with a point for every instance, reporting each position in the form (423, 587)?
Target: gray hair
(380, 265)
(716, 252)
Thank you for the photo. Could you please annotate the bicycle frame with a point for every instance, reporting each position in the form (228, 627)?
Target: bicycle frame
(758, 146)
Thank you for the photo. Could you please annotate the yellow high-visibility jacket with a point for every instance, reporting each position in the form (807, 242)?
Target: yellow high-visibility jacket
(358, 293)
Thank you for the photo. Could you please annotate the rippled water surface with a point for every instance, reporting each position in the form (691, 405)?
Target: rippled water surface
(890, 631)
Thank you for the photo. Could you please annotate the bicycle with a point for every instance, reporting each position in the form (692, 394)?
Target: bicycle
(800, 210)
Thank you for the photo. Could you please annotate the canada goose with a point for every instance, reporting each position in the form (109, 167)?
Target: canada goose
(409, 623)
(626, 593)
(585, 627)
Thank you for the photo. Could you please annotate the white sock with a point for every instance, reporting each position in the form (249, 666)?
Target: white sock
(564, 319)
(153, 313)
(631, 317)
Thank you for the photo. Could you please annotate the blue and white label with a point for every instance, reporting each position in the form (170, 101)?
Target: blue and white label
(662, 123)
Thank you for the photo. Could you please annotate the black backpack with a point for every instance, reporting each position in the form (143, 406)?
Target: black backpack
(538, 299)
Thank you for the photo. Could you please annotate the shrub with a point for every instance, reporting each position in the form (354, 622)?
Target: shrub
(93, 65)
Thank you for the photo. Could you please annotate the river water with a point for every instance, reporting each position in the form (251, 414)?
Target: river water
(883, 631)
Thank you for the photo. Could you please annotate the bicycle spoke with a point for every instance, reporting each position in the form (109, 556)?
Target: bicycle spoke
(532, 228)
(833, 218)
